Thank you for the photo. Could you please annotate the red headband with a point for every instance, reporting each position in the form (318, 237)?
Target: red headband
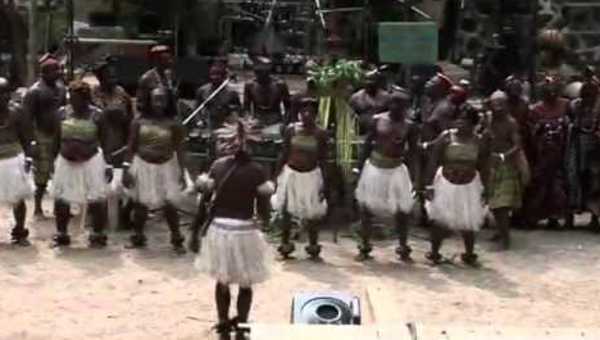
(49, 62)
(445, 81)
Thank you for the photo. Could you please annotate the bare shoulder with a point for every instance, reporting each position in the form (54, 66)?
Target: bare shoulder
(218, 165)
(381, 116)
(512, 122)
(290, 129)
(444, 136)
(122, 92)
(356, 96)
(322, 133)
(96, 114)
(15, 113)
(258, 172)
(203, 89)
(64, 112)
(412, 125)
(280, 82)
(147, 77)
(33, 90)
(135, 123)
(222, 160)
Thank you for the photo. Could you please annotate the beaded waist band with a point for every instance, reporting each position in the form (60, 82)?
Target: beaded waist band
(232, 224)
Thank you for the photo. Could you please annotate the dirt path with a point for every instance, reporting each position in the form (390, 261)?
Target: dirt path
(549, 280)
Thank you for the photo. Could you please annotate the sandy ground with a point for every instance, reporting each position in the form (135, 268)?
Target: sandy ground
(549, 280)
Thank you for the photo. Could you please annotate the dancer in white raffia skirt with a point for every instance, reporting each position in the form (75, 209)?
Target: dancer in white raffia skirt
(455, 199)
(115, 119)
(81, 174)
(234, 250)
(153, 171)
(16, 183)
(385, 187)
(300, 185)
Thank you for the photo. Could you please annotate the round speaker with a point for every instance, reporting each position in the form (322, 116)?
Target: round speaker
(326, 309)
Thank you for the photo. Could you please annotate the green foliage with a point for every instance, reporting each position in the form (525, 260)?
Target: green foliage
(333, 83)
(330, 78)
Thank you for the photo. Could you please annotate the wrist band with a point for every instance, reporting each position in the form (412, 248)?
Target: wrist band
(28, 159)
(126, 165)
(502, 157)
(425, 145)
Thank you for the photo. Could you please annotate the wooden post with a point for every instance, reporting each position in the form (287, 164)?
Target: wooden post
(32, 43)
(533, 57)
(71, 39)
(176, 28)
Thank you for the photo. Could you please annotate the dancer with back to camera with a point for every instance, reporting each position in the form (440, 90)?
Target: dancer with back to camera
(234, 250)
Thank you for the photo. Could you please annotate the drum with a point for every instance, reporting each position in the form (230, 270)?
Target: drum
(269, 148)
(198, 140)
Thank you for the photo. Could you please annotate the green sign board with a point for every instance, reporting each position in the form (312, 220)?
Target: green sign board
(408, 42)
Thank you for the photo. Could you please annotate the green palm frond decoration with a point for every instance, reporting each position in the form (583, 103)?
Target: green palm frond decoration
(332, 78)
(333, 83)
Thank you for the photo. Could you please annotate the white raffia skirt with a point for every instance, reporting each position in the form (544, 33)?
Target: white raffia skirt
(385, 192)
(235, 252)
(155, 184)
(457, 207)
(80, 182)
(116, 188)
(15, 184)
(300, 194)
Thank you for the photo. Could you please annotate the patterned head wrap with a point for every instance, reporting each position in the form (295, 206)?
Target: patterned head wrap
(234, 136)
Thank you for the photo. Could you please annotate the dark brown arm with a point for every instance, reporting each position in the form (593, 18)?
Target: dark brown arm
(516, 141)
(322, 160)
(103, 136)
(57, 141)
(483, 161)
(178, 140)
(434, 152)
(369, 145)
(413, 158)
(285, 149)
(29, 107)
(132, 141)
(142, 94)
(24, 131)
(287, 103)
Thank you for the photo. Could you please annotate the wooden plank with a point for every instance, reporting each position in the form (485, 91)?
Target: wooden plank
(312, 332)
(399, 331)
(439, 332)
